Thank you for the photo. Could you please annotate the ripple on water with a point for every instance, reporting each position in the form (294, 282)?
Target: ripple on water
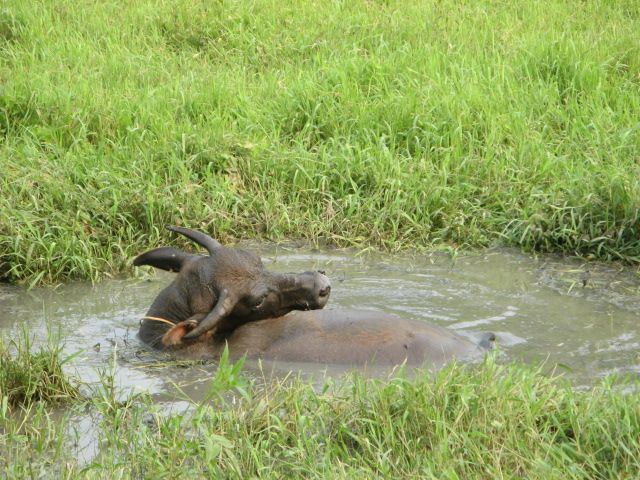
(541, 309)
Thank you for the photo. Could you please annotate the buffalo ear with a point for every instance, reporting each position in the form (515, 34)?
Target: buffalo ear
(164, 258)
(174, 335)
(224, 306)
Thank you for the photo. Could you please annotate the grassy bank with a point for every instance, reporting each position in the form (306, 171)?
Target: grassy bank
(393, 124)
(485, 421)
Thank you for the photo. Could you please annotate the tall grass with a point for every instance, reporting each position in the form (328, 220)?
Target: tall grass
(483, 421)
(386, 123)
(29, 375)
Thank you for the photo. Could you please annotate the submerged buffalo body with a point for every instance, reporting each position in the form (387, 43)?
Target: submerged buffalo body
(228, 298)
(339, 337)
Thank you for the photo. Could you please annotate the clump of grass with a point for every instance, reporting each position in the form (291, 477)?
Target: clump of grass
(487, 421)
(480, 421)
(28, 375)
(34, 444)
(10, 27)
(392, 124)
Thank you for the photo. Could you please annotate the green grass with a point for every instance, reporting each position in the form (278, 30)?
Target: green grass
(28, 375)
(483, 421)
(385, 123)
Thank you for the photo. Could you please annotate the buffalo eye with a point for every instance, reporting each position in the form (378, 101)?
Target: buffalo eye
(259, 302)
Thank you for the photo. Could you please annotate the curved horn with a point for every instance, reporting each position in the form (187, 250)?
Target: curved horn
(223, 308)
(200, 238)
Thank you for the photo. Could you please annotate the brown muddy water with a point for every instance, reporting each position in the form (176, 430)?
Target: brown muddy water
(584, 317)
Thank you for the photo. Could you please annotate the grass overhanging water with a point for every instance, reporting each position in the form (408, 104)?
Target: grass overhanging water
(28, 375)
(474, 421)
(393, 124)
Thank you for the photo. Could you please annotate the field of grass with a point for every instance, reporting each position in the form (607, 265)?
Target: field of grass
(386, 123)
(393, 124)
(482, 421)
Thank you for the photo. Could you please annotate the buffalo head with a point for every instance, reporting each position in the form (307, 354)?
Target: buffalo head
(228, 287)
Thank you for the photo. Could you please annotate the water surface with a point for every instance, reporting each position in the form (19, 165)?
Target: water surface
(582, 316)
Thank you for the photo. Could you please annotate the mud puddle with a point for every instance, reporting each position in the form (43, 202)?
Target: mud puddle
(584, 317)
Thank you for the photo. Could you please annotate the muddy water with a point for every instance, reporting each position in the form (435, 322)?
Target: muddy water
(584, 317)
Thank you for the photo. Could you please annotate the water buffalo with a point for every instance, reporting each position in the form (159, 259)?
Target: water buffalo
(335, 337)
(269, 325)
(220, 291)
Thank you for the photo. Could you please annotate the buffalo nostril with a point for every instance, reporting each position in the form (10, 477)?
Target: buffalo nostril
(325, 291)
